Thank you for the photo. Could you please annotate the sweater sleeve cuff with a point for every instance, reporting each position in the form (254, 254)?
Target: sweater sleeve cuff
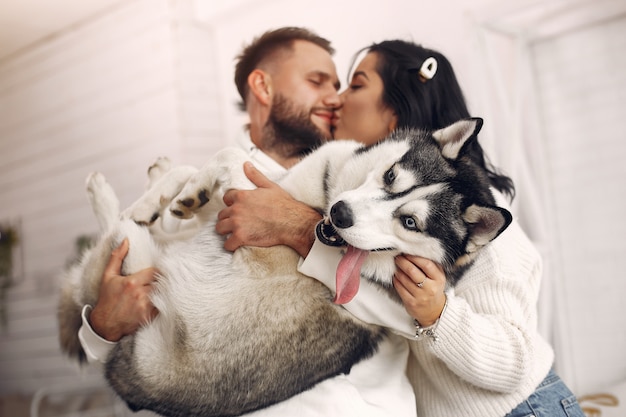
(321, 264)
(96, 348)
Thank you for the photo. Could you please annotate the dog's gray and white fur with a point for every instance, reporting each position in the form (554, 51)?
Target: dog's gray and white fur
(238, 332)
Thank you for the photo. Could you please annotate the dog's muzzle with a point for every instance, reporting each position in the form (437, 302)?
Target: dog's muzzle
(327, 234)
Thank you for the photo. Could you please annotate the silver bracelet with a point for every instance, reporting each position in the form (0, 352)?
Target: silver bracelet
(430, 331)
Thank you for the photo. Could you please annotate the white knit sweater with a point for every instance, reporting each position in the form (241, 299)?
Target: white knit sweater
(489, 356)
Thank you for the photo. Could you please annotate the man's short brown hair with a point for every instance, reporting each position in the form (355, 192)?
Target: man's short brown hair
(265, 47)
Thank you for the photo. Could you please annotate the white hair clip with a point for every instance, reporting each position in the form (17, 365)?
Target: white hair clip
(428, 69)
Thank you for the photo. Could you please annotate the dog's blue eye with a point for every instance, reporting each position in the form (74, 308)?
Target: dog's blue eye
(389, 176)
(409, 222)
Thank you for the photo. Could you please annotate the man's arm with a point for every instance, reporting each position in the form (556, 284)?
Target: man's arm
(269, 216)
(123, 305)
(266, 216)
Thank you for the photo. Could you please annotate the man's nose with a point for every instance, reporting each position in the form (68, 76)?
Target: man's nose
(342, 97)
(332, 99)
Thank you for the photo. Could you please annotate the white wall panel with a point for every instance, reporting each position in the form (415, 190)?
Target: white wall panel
(146, 79)
(111, 94)
(581, 83)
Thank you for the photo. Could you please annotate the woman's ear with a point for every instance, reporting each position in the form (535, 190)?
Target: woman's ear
(393, 123)
(260, 84)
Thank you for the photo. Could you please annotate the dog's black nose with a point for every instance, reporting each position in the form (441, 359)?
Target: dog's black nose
(341, 215)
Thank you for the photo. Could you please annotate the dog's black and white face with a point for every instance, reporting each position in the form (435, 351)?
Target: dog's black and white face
(414, 193)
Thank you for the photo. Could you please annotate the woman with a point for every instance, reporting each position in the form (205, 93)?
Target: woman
(483, 355)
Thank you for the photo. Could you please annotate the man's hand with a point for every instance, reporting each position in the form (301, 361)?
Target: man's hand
(266, 216)
(123, 303)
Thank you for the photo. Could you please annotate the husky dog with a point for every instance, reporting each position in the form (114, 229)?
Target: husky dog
(239, 332)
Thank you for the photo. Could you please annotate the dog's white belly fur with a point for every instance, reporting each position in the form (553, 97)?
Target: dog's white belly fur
(205, 290)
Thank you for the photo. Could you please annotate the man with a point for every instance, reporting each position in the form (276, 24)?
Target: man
(288, 83)
(265, 72)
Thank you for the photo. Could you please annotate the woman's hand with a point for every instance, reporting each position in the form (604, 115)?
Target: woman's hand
(420, 283)
(266, 216)
(124, 301)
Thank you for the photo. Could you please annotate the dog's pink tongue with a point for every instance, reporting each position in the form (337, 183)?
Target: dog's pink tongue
(349, 274)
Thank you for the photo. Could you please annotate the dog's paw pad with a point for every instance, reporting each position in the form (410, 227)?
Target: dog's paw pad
(203, 198)
(178, 213)
(185, 207)
(181, 210)
(187, 202)
(142, 214)
(153, 219)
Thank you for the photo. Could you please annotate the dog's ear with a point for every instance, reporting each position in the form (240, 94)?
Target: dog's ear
(452, 138)
(485, 224)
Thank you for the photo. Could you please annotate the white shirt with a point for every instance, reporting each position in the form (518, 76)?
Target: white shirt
(375, 387)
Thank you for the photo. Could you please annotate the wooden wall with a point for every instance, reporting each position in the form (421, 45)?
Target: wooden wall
(110, 94)
(147, 78)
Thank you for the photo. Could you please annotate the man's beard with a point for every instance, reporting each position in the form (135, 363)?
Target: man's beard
(290, 132)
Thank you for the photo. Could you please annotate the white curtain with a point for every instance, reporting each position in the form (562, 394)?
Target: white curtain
(553, 95)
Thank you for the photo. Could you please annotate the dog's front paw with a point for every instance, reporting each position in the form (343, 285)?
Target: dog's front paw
(144, 212)
(158, 169)
(189, 201)
(223, 170)
(148, 208)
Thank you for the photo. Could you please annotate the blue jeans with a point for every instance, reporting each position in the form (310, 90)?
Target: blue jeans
(552, 398)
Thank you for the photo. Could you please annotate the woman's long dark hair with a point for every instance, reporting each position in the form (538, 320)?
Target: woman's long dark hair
(427, 104)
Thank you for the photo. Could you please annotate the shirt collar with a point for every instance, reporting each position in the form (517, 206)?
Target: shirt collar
(260, 159)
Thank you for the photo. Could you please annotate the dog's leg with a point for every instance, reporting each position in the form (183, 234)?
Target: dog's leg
(80, 279)
(157, 170)
(222, 172)
(148, 208)
(103, 200)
